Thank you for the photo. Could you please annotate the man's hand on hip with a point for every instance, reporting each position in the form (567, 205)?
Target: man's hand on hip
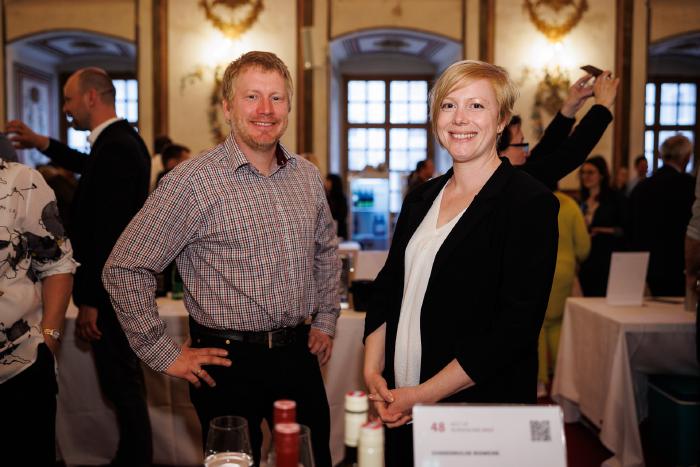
(86, 324)
(188, 365)
(321, 345)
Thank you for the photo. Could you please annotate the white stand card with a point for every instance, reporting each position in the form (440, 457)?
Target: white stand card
(458, 435)
(628, 274)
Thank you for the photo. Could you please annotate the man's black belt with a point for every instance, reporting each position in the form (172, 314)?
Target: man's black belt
(275, 338)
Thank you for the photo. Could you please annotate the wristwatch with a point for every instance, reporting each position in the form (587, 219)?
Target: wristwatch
(55, 333)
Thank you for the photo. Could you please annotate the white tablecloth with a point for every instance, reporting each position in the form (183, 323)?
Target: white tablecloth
(86, 428)
(605, 353)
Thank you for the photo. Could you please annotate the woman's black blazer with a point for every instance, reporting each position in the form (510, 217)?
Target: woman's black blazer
(488, 288)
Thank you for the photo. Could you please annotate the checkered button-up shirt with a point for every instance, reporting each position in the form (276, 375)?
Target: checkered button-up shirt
(255, 252)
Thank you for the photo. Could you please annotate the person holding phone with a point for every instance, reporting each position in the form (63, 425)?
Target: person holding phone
(561, 151)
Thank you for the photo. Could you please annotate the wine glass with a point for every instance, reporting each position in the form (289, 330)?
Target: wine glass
(228, 443)
(306, 453)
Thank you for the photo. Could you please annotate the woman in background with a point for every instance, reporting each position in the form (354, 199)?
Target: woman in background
(604, 211)
(574, 246)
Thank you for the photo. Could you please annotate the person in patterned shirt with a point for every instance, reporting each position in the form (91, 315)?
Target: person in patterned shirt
(252, 235)
(36, 277)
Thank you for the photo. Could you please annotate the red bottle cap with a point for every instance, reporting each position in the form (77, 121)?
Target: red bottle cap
(284, 411)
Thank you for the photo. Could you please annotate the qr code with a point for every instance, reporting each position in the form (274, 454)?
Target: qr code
(539, 430)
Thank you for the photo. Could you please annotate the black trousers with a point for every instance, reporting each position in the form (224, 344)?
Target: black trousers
(121, 380)
(29, 414)
(398, 446)
(259, 376)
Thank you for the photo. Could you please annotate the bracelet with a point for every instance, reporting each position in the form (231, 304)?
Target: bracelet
(55, 333)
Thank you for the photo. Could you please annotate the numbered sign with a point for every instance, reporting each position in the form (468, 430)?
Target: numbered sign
(458, 435)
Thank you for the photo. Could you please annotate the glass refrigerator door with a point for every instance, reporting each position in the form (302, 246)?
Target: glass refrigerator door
(370, 212)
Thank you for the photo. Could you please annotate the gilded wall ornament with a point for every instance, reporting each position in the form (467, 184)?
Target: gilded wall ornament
(237, 19)
(546, 16)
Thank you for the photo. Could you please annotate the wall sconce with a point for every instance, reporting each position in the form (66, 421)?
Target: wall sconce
(552, 57)
(241, 16)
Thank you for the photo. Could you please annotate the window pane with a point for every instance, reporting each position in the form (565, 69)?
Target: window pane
(398, 138)
(376, 139)
(357, 160)
(649, 115)
(668, 114)
(418, 112)
(357, 138)
(687, 93)
(649, 148)
(399, 91)
(418, 91)
(375, 158)
(398, 160)
(418, 139)
(414, 157)
(120, 108)
(686, 115)
(376, 91)
(132, 89)
(395, 200)
(78, 140)
(669, 93)
(120, 87)
(132, 111)
(357, 91)
(650, 93)
(375, 113)
(357, 113)
(399, 112)
(395, 181)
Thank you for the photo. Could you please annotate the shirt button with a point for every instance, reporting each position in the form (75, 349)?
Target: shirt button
(228, 341)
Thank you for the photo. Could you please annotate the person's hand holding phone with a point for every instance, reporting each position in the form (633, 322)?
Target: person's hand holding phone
(578, 93)
(605, 89)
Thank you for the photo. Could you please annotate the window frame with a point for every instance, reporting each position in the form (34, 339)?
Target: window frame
(657, 127)
(387, 126)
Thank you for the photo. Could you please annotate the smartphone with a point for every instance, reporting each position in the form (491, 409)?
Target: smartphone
(591, 70)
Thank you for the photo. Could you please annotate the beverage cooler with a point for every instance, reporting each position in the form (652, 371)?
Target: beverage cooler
(369, 212)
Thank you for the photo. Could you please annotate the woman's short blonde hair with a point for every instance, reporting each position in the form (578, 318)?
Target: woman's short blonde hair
(467, 71)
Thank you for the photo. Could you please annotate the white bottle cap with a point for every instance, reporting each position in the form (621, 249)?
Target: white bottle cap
(356, 401)
(372, 434)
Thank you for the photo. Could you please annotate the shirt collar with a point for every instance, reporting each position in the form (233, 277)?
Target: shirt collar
(238, 159)
(95, 133)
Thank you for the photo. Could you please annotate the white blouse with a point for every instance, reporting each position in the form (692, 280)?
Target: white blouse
(419, 258)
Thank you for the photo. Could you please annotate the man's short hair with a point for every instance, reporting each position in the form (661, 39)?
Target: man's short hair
(160, 143)
(639, 159)
(505, 139)
(266, 61)
(97, 79)
(676, 148)
(173, 151)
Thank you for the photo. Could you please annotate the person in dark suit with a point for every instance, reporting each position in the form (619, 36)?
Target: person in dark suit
(661, 207)
(459, 304)
(560, 151)
(112, 189)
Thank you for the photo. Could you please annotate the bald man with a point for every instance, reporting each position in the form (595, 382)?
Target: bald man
(112, 189)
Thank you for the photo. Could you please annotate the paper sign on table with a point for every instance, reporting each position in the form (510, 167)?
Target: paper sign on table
(458, 435)
(628, 273)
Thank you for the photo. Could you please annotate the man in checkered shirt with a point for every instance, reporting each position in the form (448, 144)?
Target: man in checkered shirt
(253, 238)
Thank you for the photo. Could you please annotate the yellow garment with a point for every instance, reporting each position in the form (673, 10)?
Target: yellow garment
(574, 246)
